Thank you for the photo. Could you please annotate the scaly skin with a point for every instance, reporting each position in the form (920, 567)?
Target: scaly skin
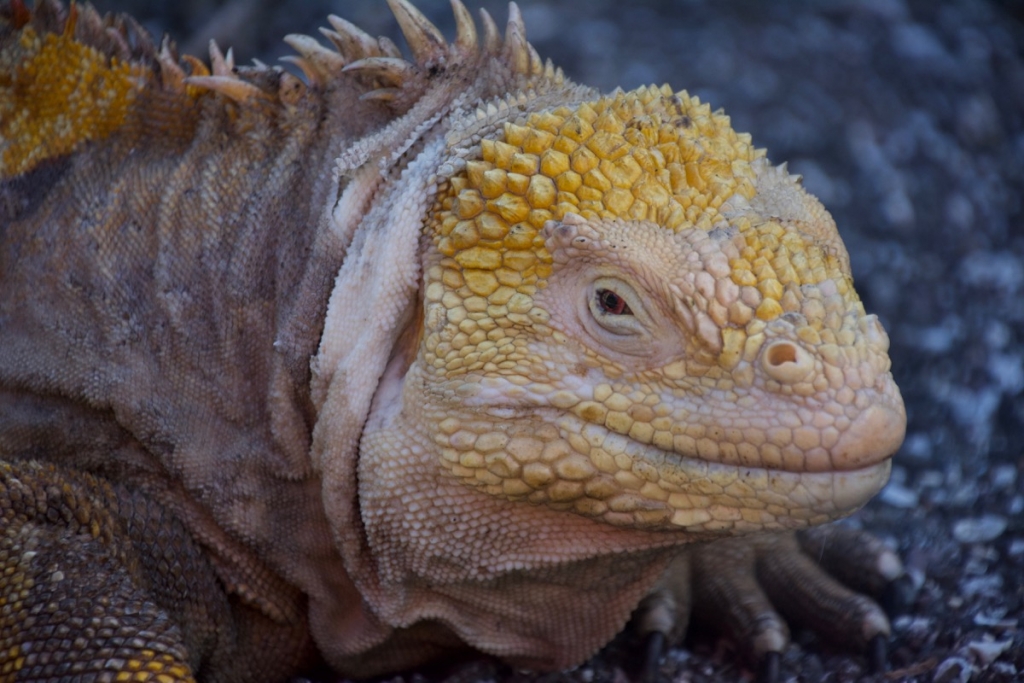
(420, 354)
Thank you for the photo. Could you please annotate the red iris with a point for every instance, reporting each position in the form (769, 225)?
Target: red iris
(611, 303)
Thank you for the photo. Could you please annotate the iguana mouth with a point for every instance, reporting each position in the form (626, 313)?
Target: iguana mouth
(705, 495)
(566, 463)
(774, 498)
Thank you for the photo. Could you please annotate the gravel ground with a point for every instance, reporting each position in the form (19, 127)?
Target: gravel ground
(906, 117)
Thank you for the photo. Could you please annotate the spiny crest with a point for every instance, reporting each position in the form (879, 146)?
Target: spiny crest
(55, 54)
(390, 76)
(379, 64)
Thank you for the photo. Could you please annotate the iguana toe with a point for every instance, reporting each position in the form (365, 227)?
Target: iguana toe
(655, 644)
(854, 557)
(878, 654)
(807, 594)
(731, 598)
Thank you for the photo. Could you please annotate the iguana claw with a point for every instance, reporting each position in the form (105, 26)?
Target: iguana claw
(878, 654)
(655, 645)
(768, 668)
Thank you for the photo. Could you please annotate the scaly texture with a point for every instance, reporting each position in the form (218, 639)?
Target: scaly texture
(405, 356)
(78, 94)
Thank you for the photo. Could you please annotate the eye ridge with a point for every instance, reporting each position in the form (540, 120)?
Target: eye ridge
(611, 303)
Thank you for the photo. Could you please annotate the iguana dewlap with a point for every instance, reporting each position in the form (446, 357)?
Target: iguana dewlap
(402, 356)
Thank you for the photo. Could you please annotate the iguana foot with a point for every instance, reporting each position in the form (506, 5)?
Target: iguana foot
(749, 588)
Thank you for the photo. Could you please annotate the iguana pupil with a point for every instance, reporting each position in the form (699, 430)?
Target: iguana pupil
(612, 304)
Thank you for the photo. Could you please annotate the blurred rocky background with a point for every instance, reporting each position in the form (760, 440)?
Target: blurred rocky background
(906, 117)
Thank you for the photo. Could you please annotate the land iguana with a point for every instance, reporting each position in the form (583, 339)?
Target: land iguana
(407, 356)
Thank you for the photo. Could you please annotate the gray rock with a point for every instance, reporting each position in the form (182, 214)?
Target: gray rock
(979, 529)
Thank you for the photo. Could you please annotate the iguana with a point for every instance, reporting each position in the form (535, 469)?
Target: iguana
(404, 357)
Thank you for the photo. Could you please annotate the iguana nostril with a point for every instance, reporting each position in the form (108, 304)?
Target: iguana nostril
(786, 362)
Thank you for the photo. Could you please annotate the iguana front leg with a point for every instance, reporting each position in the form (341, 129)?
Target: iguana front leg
(751, 589)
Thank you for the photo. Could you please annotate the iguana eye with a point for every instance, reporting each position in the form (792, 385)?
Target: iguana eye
(612, 304)
(614, 311)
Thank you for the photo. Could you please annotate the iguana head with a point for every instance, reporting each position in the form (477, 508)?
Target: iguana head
(632, 315)
(618, 306)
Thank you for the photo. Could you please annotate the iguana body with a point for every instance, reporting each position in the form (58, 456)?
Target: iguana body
(409, 356)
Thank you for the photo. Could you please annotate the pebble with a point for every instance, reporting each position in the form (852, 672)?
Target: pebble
(997, 335)
(974, 410)
(988, 586)
(908, 624)
(965, 494)
(996, 620)
(990, 269)
(977, 121)
(1007, 369)
(899, 496)
(1016, 505)
(988, 651)
(979, 529)
(918, 446)
(1005, 669)
(960, 211)
(940, 338)
(953, 670)
(1003, 476)
(917, 578)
